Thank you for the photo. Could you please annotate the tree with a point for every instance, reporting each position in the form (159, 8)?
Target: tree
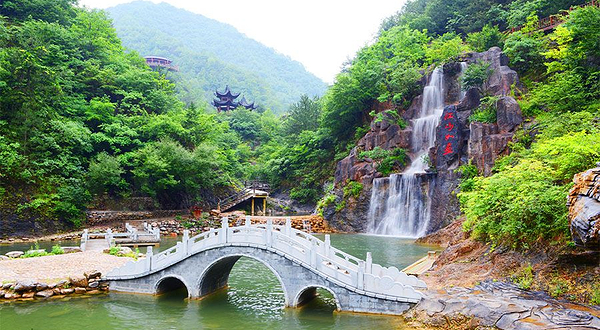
(302, 116)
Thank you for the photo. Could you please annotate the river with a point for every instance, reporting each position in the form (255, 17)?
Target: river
(254, 300)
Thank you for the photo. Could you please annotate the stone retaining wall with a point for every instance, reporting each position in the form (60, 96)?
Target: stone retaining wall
(95, 217)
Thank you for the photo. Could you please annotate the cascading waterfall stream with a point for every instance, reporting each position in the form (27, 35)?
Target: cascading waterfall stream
(402, 207)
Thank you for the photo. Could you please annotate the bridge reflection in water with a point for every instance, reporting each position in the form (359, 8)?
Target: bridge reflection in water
(301, 262)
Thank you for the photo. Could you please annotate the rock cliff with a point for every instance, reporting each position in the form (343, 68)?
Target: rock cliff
(458, 141)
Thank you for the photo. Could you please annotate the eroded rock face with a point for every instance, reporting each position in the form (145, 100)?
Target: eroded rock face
(508, 114)
(584, 208)
(486, 144)
(500, 305)
(502, 78)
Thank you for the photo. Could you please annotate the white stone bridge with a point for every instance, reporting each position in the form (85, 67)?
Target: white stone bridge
(300, 261)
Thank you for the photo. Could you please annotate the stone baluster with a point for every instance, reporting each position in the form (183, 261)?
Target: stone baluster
(360, 280)
(109, 237)
(327, 245)
(185, 240)
(269, 232)
(369, 264)
(149, 254)
(84, 238)
(179, 249)
(223, 232)
(313, 254)
(288, 226)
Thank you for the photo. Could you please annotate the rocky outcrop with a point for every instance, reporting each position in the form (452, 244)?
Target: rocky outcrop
(584, 208)
(499, 305)
(352, 168)
(458, 141)
(489, 141)
(503, 78)
(486, 144)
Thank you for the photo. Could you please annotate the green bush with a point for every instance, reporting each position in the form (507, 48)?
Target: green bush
(476, 75)
(485, 39)
(353, 189)
(468, 172)
(57, 249)
(486, 112)
(324, 202)
(386, 160)
(516, 206)
(340, 206)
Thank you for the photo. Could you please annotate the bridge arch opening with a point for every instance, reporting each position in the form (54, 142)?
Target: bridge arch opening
(172, 286)
(317, 296)
(217, 276)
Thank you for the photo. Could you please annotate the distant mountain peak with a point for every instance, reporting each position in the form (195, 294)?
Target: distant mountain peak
(211, 54)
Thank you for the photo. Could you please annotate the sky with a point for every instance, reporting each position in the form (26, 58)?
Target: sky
(320, 34)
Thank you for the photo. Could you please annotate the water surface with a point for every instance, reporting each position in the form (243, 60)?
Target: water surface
(254, 300)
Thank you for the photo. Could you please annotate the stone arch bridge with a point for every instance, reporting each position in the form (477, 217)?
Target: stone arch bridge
(300, 261)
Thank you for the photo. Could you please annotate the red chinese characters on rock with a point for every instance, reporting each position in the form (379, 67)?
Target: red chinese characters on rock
(448, 150)
(448, 115)
(449, 127)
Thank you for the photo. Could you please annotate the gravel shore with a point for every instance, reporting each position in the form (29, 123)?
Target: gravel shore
(53, 268)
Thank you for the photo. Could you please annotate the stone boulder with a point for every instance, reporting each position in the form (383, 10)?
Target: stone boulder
(508, 114)
(584, 208)
(44, 293)
(24, 286)
(71, 249)
(14, 254)
(79, 281)
(502, 78)
(486, 144)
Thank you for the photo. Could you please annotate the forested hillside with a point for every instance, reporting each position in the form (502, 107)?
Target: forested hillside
(211, 55)
(81, 117)
(523, 201)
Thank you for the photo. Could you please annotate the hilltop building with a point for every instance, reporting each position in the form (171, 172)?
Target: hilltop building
(227, 101)
(160, 62)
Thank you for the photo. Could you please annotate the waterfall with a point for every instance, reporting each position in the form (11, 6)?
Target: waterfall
(463, 68)
(403, 207)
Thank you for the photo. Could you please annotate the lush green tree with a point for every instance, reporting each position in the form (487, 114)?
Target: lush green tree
(302, 116)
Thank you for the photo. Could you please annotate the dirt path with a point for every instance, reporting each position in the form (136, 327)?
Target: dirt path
(53, 268)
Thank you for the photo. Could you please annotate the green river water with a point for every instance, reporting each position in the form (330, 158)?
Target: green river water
(254, 300)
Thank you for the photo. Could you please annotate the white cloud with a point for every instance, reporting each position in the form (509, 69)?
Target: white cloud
(319, 34)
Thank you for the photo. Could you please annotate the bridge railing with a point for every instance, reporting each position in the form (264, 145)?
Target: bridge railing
(304, 248)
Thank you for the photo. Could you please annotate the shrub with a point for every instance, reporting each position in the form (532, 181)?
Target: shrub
(487, 38)
(486, 112)
(325, 202)
(475, 76)
(353, 188)
(386, 160)
(57, 249)
(468, 172)
(340, 206)
(516, 206)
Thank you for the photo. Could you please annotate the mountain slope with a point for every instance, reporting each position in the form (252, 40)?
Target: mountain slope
(211, 54)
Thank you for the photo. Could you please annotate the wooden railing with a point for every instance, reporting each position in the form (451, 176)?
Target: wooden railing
(550, 22)
(298, 246)
(244, 193)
